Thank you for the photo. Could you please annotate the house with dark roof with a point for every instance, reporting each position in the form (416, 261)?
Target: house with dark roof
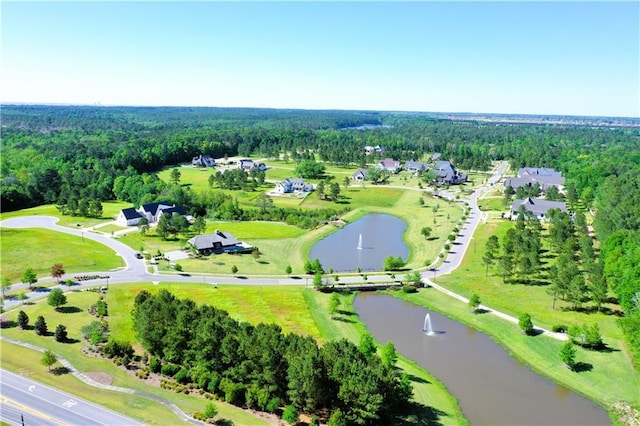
(203, 161)
(416, 166)
(447, 174)
(150, 211)
(359, 175)
(538, 206)
(389, 164)
(293, 185)
(219, 242)
(128, 217)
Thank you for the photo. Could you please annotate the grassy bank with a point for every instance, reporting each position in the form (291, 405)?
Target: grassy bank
(40, 248)
(610, 378)
(110, 212)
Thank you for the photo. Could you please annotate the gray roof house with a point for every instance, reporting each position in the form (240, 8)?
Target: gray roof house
(538, 171)
(389, 164)
(545, 181)
(218, 242)
(416, 166)
(359, 175)
(538, 206)
(447, 173)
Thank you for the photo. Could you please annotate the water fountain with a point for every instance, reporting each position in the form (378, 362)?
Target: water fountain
(428, 328)
(360, 242)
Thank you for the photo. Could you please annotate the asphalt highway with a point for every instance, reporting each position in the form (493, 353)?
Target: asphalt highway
(25, 401)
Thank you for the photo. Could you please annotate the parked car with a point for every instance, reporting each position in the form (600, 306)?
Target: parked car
(139, 255)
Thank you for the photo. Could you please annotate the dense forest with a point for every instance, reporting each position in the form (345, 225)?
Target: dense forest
(70, 156)
(262, 368)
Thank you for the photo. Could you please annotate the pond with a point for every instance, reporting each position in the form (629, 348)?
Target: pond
(492, 387)
(362, 244)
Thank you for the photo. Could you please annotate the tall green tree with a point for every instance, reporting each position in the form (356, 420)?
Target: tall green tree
(56, 298)
(29, 277)
(175, 176)
(48, 359)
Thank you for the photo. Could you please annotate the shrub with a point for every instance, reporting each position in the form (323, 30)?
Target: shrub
(214, 380)
(407, 288)
(525, 323)
(155, 365)
(393, 263)
(182, 376)
(290, 415)
(95, 332)
(115, 348)
(210, 411)
(170, 370)
(273, 404)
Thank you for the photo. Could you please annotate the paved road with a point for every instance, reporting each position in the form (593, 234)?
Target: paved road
(39, 404)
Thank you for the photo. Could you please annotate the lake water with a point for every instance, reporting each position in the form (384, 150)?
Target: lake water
(491, 386)
(381, 237)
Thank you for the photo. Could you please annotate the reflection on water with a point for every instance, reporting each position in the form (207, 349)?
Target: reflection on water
(491, 386)
(377, 235)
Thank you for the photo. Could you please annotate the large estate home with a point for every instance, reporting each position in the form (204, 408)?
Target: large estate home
(218, 242)
(359, 175)
(247, 165)
(293, 185)
(538, 206)
(203, 161)
(152, 212)
(416, 166)
(447, 174)
(389, 164)
(529, 176)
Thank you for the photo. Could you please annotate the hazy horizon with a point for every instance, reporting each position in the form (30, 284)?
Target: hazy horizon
(517, 58)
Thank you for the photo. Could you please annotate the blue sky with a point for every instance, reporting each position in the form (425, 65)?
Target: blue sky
(572, 58)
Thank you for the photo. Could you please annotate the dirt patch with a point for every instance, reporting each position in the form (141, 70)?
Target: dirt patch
(99, 377)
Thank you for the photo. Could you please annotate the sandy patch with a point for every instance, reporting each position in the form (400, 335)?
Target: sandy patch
(102, 378)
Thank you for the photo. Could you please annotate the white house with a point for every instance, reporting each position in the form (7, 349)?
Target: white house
(359, 175)
(293, 185)
(538, 206)
(128, 217)
(203, 161)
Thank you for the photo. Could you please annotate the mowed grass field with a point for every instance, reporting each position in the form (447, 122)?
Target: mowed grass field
(610, 380)
(110, 212)
(40, 248)
(294, 308)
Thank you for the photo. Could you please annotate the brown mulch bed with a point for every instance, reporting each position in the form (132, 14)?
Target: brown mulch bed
(102, 378)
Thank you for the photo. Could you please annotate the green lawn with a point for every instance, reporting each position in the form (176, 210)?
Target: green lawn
(493, 203)
(40, 248)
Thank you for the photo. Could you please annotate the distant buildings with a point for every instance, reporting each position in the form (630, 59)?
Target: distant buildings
(247, 165)
(416, 166)
(373, 149)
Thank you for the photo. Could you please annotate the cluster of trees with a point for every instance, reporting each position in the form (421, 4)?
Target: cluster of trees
(82, 207)
(262, 368)
(238, 179)
(519, 253)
